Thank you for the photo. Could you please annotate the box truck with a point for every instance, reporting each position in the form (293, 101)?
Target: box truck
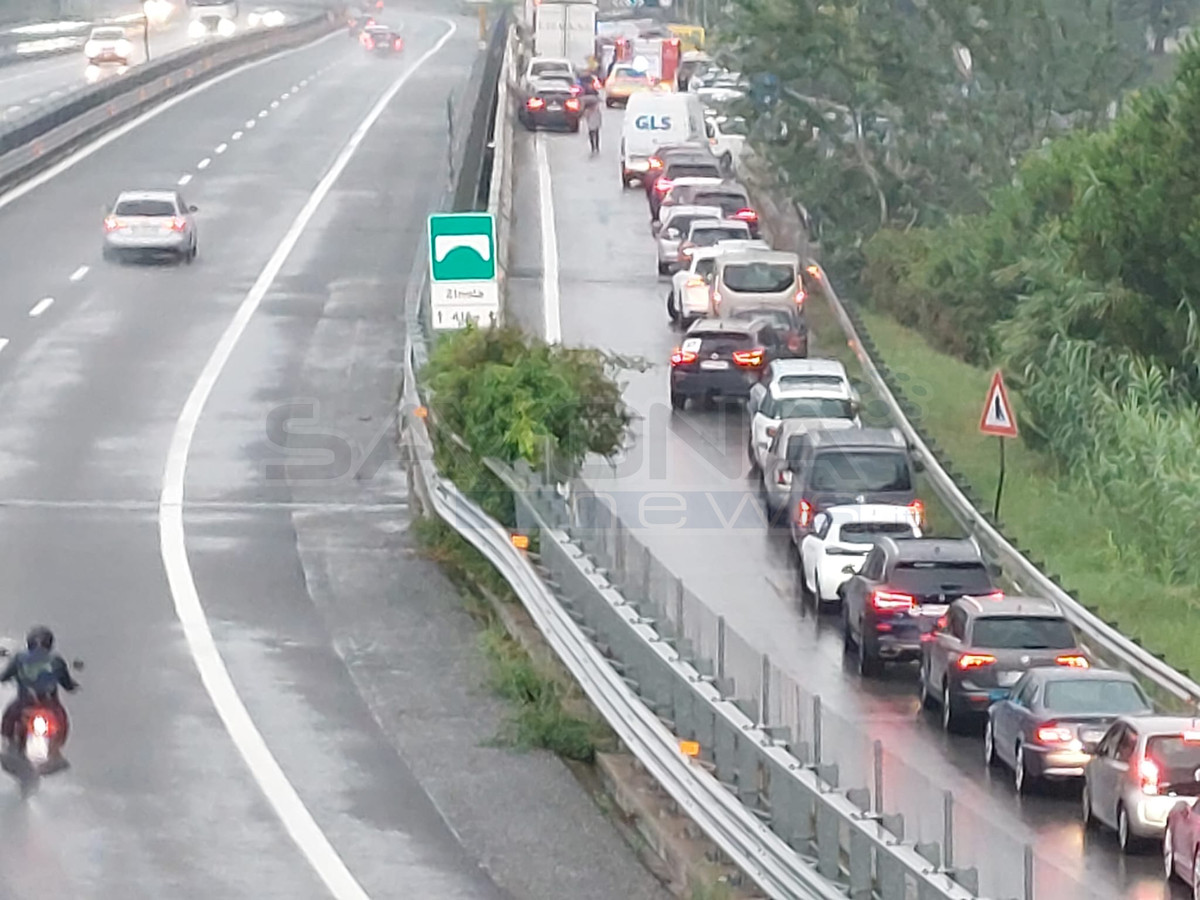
(565, 30)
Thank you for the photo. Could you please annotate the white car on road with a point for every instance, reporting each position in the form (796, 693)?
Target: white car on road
(798, 389)
(840, 540)
(673, 227)
(727, 137)
(150, 224)
(689, 297)
(108, 44)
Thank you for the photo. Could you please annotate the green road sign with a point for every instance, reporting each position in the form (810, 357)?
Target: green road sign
(462, 247)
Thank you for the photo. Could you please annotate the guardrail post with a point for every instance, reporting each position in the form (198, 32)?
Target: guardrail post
(948, 829)
(721, 654)
(816, 730)
(648, 582)
(1028, 872)
(681, 643)
(764, 693)
(829, 840)
(878, 807)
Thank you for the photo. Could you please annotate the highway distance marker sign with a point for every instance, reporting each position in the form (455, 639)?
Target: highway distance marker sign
(998, 420)
(462, 270)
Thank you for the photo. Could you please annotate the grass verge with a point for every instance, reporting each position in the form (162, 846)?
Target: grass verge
(1041, 508)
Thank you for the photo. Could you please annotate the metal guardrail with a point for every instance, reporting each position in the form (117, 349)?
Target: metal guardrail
(92, 111)
(500, 190)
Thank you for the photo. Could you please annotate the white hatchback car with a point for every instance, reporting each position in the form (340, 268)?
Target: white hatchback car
(673, 227)
(840, 540)
(150, 224)
(779, 396)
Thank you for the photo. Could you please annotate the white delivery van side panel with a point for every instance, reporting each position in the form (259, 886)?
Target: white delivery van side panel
(656, 118)
(580, 32)
(549, 30)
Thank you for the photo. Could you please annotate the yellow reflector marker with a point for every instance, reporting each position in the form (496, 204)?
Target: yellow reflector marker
(520, 541)
(689, 748)
(421, 412)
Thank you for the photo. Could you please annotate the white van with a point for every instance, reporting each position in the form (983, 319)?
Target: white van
(655, 118)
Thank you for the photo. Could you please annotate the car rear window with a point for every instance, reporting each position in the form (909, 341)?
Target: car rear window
(867, 532)
(930, 577)
(724, 342)
(704, 267)
(759, 277)
(1178, 754)
(729, 203)
(541, 68)
(554, 95)
(806, 381)
(108, 34)
(1022, 633)
(693, 170)
(145, 208)
(864, 471)
(782, 319)
(810, 408)
(1083, 697)
(707, 237)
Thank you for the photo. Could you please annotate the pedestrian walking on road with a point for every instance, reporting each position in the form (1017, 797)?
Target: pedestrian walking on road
(591, 118)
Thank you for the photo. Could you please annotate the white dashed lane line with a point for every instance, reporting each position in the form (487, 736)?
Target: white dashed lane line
(41, 306)
(236, 136)
(285, 95)
(34, 100)
(184, 180)
(274, 104)
(295, 87)
(203, 164)
(78, 274)
(262, 114)
(250, 123)
(221, 148)
(3, 343)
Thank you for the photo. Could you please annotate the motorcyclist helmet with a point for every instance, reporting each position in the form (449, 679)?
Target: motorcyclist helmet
(40, 637)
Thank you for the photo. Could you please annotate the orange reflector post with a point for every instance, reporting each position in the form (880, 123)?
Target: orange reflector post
(689, 748)
(814, 271)
(421, 412)
(520, 541)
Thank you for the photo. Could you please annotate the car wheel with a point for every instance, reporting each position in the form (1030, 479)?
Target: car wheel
(108, 254)
(1125, 837)
(678, 400)
(869, 665)
(927, 698)
(989, 746)
(1168, 851)
(949, 719)
(847, 638)
(806, 595)
(575, 128)
(1086, 806)
(1023, 782)
(671, 311)
(663, 268)
(1196, 876)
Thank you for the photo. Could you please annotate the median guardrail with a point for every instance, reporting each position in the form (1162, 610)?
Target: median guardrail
(30, 144)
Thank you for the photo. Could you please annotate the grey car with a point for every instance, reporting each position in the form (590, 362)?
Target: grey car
(670, 231)
(1143, 768)
(1050, 725)
(150, 224)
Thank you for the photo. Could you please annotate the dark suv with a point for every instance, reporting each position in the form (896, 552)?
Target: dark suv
(850, 466)
(892, 605)
(685, 164)
(723, 358)
(983, 646)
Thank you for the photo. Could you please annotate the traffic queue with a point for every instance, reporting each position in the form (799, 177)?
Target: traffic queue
(846, 492)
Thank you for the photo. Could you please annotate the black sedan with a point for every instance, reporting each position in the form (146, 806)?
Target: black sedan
(382, 40)
(1049, 725)
(551, 103)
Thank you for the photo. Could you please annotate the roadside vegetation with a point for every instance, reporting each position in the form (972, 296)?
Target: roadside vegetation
(1011, 185)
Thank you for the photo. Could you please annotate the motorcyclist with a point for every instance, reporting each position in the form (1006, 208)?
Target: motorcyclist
(39, 673)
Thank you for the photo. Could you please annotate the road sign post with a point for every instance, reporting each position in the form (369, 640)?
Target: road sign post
(998, 420)
(462, 270)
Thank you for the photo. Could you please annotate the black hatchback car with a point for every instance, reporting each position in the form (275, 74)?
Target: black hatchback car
(723, 358)
(551, 103)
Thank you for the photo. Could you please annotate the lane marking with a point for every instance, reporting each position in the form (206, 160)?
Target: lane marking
(41, 306)
(285, 95)
(204, 163)
(550, 299)
(274, 104)
(262, 113)
(12, 109)
(221, 148)
(237, 136)
(184, 179)
(3, 343)
(295, 88)
(117, 133)
(250, 123)
(55, 94)
(78, 274)
(263, 766)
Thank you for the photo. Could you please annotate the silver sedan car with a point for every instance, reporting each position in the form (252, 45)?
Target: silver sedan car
(150, 224)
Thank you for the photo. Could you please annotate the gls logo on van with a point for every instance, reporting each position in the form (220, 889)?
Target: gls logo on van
(652, 123)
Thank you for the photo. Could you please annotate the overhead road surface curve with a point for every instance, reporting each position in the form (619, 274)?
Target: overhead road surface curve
(97, 364)
(590, 279)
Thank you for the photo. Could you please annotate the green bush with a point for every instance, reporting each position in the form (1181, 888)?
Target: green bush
(499, 394)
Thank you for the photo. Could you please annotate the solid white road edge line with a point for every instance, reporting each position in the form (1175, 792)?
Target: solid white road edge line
(40, 307)
(550, 298)
(105, 139)
(263, 766)
(184, 179)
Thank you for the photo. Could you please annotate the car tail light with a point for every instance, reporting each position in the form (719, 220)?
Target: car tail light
(1053, 733)
(801, 296)
(573, 105)
(804, 514)
(994, 595)
(655, 163)
(917, 510)
(1074, 660)
(397, 44)
(111, 223)
(695, 281)
(681, 357)
(783, 477)
(746, 215)
(716, 299)
(576, 89)
(772, 430)
(1148, 774)
(535, 103)
(749, 357)
(178, 224)
(793, 342)
(369, 43)
(975, 660)
(663, 185)
(891, 601)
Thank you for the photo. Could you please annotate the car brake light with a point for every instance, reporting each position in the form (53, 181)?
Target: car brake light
(178, 224)
(746, 215)
(804, 514)
(40, 726)
(111, 223)
(573, 105)
(793, 342)
(695, 281)
(397, 44)
(369, 43)
(662, 185)
(917, 510)
(891, 601)
(1053, 733)
(749, 357)
(655, 163)
(576, 89)
(535, 103)
(975, 660)
(716, 299)
(1074, 660)
(772, 430)
(783, 477)
(801, 296)
(1148, 773)
(680, 357)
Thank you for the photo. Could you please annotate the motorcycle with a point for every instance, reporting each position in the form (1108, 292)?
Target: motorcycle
(40, 737)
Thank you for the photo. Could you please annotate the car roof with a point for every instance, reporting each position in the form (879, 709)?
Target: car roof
(687, 209)
(1070, 673)
(931, 549)
(697, 181)
(810, 366)
(719, 222)
(559, 60)
(851, 513)
(882, 438)
(146, 195)
(789, 428)
(827, 391)
(687, 157)
(1012, 605)
(768, 256)
(1158, 725)
(701, 326)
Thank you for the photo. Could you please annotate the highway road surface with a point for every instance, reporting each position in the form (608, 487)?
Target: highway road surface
(570, 208)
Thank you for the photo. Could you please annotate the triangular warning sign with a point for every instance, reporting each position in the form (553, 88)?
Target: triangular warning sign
(998, 418)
